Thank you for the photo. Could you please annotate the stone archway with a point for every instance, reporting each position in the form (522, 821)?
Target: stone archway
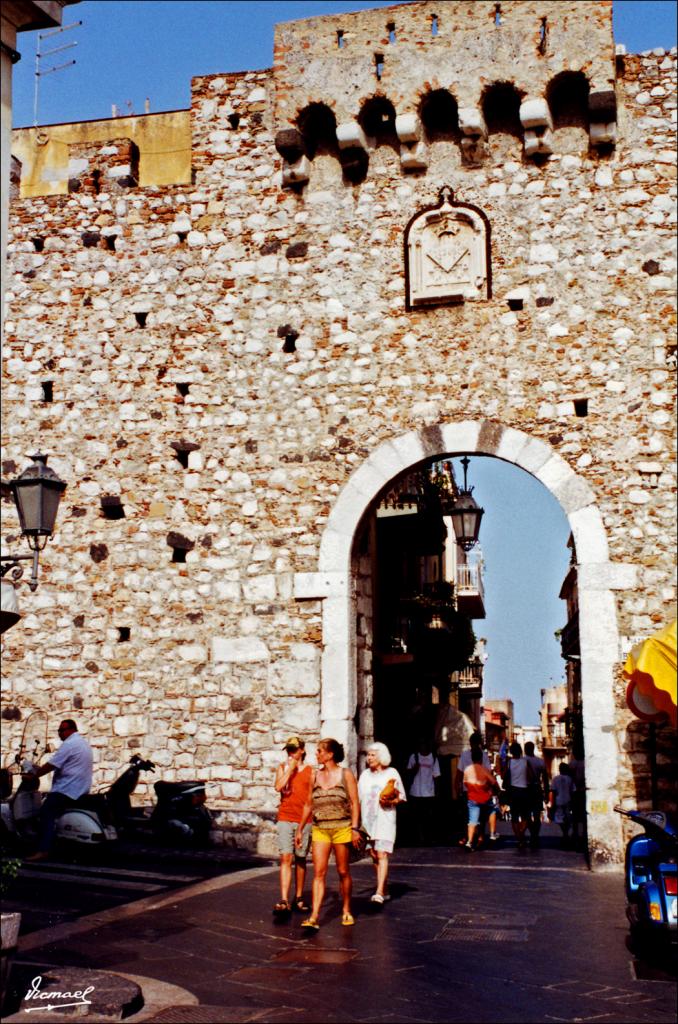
(598, 578)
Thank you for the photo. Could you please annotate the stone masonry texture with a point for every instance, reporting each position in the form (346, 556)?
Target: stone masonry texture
(224, 354)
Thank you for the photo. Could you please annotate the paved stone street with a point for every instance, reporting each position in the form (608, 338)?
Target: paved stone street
(498, 936)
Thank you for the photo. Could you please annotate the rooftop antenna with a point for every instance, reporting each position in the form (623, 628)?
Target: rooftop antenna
(41, 71)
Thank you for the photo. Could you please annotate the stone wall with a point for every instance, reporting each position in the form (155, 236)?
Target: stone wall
(219, 375)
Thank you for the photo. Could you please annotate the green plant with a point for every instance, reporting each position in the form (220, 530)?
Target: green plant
(442, 638)
(9, 871)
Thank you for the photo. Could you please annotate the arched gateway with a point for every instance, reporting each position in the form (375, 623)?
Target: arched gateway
(597, 579)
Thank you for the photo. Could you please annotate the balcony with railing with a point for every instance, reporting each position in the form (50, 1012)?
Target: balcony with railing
(469, 591)
(469, 681)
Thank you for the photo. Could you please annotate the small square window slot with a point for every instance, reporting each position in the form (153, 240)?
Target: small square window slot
(341, 41)
(288, 333)
(112, 507)
(581, 407)
(183, 389)
(182, 450)
(391, 29)
(180, 546)
(515, 304)
(109, 242)
(38, 244)
(141, 319)
(124, 633)
(233, 120)
(434, 25)
(379, 66)
(47, 390)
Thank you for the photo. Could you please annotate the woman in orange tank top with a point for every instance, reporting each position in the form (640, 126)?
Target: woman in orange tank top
(480, 784)
(293, 782)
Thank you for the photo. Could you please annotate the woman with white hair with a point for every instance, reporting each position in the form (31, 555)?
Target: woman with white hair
(380, 789)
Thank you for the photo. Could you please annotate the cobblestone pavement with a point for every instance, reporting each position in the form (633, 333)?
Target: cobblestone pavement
(499, 936)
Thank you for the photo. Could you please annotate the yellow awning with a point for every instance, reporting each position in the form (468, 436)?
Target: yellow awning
(651, 671)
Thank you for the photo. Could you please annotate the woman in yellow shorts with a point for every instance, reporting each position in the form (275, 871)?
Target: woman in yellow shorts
(335, 809)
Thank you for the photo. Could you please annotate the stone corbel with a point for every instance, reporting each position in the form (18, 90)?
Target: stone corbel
(603, 134)
(351, 136)
(296, 173)
(408, 128)
(535, 118)
(602, 116)
(474, 135)
(290, 144)
(414, 157)
(413, 151)
(538, 142)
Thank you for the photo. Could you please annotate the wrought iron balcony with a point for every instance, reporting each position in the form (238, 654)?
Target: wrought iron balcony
(470, 680)
(470, 592)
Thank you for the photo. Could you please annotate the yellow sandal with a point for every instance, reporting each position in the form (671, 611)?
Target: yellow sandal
(347, 919)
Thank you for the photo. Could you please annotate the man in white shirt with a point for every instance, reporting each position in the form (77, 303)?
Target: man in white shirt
(72, 767)
(423, 772)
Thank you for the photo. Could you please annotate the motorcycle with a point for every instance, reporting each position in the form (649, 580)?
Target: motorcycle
(179, 815)
(651, 877)
(125, 817)
(88, 821)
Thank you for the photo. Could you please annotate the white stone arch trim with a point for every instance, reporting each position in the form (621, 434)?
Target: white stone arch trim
(598, 578)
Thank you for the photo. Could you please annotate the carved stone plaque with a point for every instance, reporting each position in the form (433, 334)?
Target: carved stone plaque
(447, 253)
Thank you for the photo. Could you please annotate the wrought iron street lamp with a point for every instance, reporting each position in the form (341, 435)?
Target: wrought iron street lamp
(466, 515)
(37, 493)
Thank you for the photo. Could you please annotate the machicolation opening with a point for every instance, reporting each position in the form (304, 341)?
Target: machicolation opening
(501, 109)
(318, 127)
(439, 115)
(568, 98)
(377, 120)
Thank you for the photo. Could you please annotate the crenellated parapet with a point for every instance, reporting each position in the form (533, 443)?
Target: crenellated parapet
(411, 75)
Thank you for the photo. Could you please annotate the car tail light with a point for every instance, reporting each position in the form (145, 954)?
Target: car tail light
(671, 884)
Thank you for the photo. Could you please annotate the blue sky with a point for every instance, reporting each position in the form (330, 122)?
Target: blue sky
(128, 51)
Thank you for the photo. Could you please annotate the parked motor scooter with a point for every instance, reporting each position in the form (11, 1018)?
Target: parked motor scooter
(180, 814)
(87, 822)
(125, 817)
(651, 878)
